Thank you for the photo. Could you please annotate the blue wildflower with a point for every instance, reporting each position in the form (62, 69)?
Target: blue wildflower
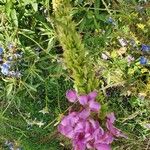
(111, 21)
(5, 68)
(10, 145)
(1, 50)
(143, 60)
(145, 48)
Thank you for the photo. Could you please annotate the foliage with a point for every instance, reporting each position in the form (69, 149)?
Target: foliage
(86, 44)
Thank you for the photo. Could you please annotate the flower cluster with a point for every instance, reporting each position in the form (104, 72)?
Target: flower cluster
(8, 61)
(145, 48)
(11, 146)
(83, 130)
(143, 59)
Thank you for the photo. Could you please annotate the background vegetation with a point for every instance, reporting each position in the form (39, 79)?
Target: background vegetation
(32, 93)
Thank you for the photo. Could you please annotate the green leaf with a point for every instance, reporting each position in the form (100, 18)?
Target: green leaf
(35, 6)
(31, 87)
(8, 7)
(1, 37)
(9, 89)
(14, 17)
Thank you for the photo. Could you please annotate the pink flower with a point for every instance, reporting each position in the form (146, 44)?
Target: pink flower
(71, 95)
(85, 132)
(66, 127)
(89, 101)
(106, 138)
(103, 147)
(84, 114)
(83, 100)
(111, 117)
(112, 129)
(92, 95)
(94, 106)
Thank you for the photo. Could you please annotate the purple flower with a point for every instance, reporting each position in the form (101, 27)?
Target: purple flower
(103, 147)
(82, 130)
(5, 68)
(83, 100)
(130, 58)
(94, 106)
(89, 101)
(79, 142)
(71, 95)
(111, 117)
(84, 114)
(145, 48)
(106, 138)
(66, 127)
(143, 60)
(112, 129)
(1, 50)
(92, 95)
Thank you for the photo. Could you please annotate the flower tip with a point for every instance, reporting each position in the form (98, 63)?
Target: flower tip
(94, 106)
(71, 95)
(145, 48)
(143, 60)
(83, 99)
(111, 117)
(93, 95)
(1, 50)
(103, 147)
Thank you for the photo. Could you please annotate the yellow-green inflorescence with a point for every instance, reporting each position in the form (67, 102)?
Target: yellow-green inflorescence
(75, 54)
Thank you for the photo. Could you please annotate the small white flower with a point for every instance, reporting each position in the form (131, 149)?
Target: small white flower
(104, 56)
(142, 96)
(130, 58)
(122, 42)
(40, 124)
(44, 111)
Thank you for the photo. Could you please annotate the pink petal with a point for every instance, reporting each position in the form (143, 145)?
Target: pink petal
(65, 121)
(71, 95)
(84, 114)
(83, 99)
(79, 146)
(113, 130)
(107, 138)
(89, 145)
(92, 95)
(79, 127)
(94, 106)
(73, 118)
(98, 133)
(66, 131)
(70, 134)
(111, 117)
(88, 137)
(87, 127)
(95, 124)
(103, 147)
